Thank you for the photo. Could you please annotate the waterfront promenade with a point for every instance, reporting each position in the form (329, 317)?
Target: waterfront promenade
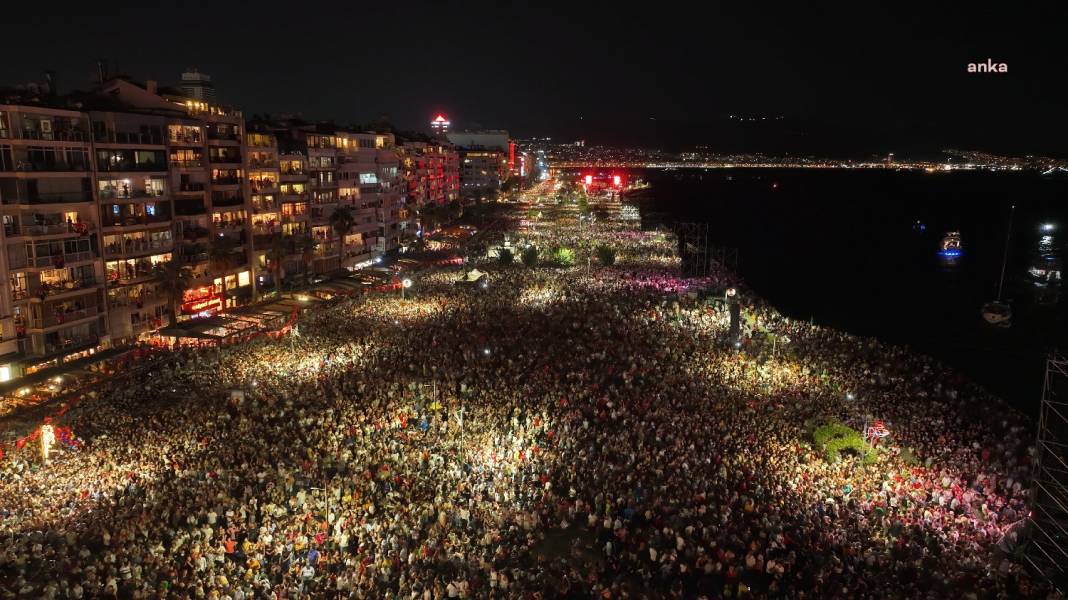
(569, 431)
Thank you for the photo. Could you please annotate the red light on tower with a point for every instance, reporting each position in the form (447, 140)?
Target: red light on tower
(616, 180)
(589, 180)
(440, 125)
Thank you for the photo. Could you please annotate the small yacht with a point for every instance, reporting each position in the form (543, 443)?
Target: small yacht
(997, 312)
(950, 247)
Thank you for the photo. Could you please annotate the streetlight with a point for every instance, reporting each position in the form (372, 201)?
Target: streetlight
(405, 284)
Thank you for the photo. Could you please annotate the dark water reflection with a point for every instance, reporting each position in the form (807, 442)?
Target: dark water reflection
(843, 247)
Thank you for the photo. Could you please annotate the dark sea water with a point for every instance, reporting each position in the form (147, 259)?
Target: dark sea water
(841, 247)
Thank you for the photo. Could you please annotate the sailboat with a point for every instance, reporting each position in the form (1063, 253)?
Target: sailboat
(997, 312)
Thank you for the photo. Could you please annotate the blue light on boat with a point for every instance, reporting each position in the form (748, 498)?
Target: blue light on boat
(949, 253)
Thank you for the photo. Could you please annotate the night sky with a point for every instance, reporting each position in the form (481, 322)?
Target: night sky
(890, 78)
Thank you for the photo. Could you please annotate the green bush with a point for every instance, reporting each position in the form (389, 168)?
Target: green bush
(505, 257)
(529, 256)
(563, 256)
(606, 255)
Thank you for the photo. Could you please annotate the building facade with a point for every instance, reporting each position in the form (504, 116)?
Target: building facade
(93, 199)
(52, 305)
(484, 161)
(431, 173)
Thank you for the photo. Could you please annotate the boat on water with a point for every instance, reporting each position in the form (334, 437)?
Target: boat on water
(950, 246)
(997, 312)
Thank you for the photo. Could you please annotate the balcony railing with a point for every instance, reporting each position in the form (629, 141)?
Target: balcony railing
(191, 188)
(228, 201)
(186, 139)
(60, 260)
(230, 225)
(127, 166)
(224, 158)
(71, 343)
(214, 134)
(187, 164)
(48, 229)
(195, 233)
(123, 137)
(50, 166)
(138, 220)
(145, 297)
(111, 194)
(259, 163)
(70, 135)
(257, 185)
(137, 247)
(52, 319)
(43, 290)
(226, 180)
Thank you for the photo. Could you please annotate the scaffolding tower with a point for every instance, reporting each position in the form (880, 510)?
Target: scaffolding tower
(697, 255)
(1047, 551)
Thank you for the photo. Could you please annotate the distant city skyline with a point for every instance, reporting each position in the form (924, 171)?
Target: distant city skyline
(848, 82)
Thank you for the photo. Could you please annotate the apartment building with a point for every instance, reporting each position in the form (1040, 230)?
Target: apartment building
(205, 158)
(431, 172)
(95, 194)
(134, 195)
(374, 169)
(52, 302)
(484, 161)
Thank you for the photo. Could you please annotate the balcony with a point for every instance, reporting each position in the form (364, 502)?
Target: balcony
(144, 298)
(189, 208)
(136, 221)
(258, 163)
(225, 158)
(138, 247)
(135, 138)
(262, 185)
(71, 344)
(45, 290)
(13, 230)
(57, 261)
(186, 164)
(226, 136)
(187, 139)
(234, 225)
(55, 319)
(227, 201)
(195, 233)
(191, 188)
(46, 166)
(131, 167)
(226, 181)
(129, 194)
(70, 135)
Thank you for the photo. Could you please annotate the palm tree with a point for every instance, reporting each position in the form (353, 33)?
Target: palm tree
(173, 279)
(429, 217)
(306, 245)
(455, 210)
(341, 220)
(275, 255)
(221, 258)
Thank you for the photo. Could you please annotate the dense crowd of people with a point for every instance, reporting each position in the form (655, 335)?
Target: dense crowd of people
(581, 432)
